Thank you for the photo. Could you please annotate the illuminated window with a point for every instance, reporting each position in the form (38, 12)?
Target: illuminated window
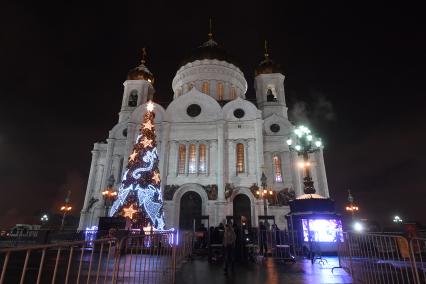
(182, 157)
(277, 169)
(220, 91)
(192, 167)
(205, 88)
(233, 93)
(240, 158)
(202, 167)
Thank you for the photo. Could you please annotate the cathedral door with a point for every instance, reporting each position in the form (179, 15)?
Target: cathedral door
(190, 208)
(242, 209)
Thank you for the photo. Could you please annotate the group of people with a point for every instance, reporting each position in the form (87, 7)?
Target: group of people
(231, 241)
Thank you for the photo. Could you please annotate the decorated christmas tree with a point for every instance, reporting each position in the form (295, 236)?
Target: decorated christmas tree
(139, 196)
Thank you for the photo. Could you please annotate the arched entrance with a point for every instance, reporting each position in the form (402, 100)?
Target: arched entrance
(242, 208)
(190, 207)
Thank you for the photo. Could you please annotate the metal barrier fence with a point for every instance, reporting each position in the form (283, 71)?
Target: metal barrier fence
(134, 259)
(418, 256)
(376, 258)
(251, 243)
(151, 258)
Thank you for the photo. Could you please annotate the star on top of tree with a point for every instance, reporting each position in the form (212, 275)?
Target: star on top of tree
(148, 125)
(156, 177)
(146, 142)
(133, 155)
(129, 211)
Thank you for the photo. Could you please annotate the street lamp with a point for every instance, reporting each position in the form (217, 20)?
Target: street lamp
(263, 193)
(65, 209)
(109, 194)
(352, 208)
(397, 219)
(44, 219)
(303, 142)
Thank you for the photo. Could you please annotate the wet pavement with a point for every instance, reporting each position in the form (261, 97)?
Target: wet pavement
(270, 271)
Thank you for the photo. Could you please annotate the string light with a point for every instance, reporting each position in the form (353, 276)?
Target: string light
(140, 186)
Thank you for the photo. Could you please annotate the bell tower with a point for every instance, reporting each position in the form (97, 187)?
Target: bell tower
(138, 88)
(269, 87)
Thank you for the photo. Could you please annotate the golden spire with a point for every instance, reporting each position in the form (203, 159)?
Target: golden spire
(143, 55)
(266, 50)
(210, 34)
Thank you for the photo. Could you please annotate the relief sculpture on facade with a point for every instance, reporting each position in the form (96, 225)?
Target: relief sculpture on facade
(229, 189)
(169, 191)
(284, 196)
(211, 191)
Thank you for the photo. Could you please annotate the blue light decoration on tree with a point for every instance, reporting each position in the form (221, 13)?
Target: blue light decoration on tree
(140, 192)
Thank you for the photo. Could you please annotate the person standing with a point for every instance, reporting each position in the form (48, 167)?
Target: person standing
(229, 238)
(262, 239)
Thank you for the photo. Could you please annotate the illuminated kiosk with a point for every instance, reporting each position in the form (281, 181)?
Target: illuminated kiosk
(315, 223)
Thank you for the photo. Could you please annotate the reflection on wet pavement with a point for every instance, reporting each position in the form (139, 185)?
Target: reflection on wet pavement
(271, 272)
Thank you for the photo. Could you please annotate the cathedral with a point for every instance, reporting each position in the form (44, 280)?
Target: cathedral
(214, 146)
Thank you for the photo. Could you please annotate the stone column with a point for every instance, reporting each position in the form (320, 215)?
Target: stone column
(220, 160)
(268, 168)
(259, 148)
(108, 161)
(163, 155)
(322, 177)
(232, 158)
(251, 157)
(212, 158)
(89, 188)
(286, 168)
(297, 178)
(173, 159)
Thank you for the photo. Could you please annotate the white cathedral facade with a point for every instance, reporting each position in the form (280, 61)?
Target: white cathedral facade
(213, 144)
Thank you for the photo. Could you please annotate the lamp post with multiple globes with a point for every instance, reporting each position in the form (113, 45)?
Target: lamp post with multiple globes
(352, 208)
(263, 193)
(303, 142)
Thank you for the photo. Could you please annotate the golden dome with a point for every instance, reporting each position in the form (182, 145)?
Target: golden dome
(141, 72)
(267, 66)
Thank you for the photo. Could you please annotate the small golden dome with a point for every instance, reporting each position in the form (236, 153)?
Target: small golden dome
(267, 66)
(141, 72)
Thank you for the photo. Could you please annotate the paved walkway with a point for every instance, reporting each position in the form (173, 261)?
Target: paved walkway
(271, 272)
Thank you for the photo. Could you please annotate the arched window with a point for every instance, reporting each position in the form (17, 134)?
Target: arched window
(240, 158)
(182, 158)
(133, 98)
(205, 88)
(220, 91)
(202, 165)
(277, 169)
(233, 93)
(270, 97)
(192, 166)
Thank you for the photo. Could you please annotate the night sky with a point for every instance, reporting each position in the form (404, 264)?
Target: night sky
(355, 74)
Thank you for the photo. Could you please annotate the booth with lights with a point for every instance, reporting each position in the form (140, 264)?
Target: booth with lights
(315, 222)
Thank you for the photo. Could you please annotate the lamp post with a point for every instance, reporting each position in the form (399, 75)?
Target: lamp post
(109, 194)
(303, 142)
(44, 219)
(65, 209)
(263, 193)
(352, 208)
(397, 219)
